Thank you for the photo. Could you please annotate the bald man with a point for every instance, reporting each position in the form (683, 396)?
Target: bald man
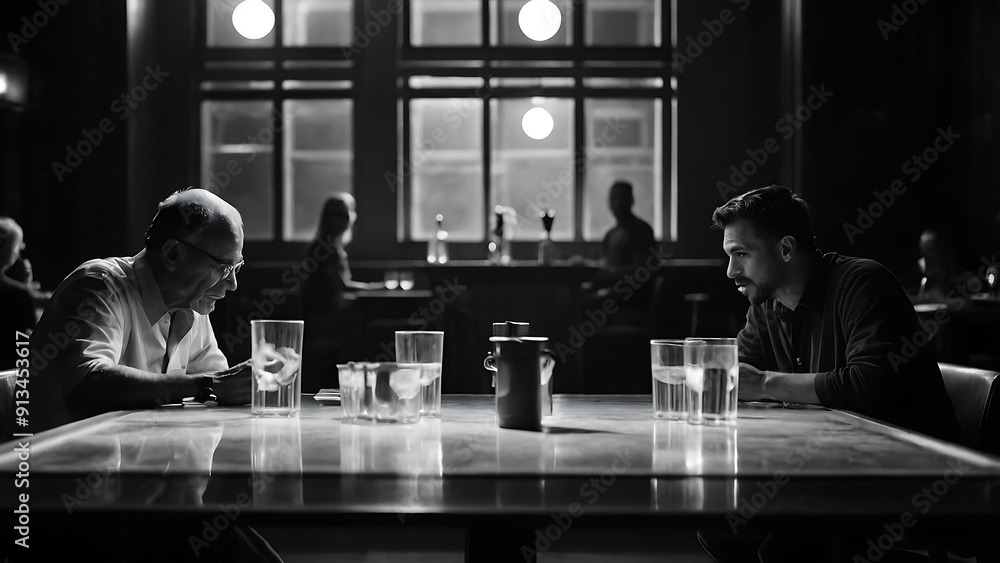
(134, 332)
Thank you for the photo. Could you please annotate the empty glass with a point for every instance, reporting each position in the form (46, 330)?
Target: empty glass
(424, 347)
(277, 356)
(667, 362)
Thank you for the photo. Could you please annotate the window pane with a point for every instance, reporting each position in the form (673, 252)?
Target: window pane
(222, 33)
(624, 142)
(633, 23)
(533, 175)
(446, 22)
(237, 160)
(317, 23)
(318, 156)
(445, 167)
(508, 32)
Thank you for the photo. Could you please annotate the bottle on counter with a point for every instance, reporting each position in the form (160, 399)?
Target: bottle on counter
(546, 251)
(496, 241)
(441, 238)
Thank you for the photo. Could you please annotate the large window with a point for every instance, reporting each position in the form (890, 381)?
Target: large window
(532, 105)
(277, 127)
(534, 111)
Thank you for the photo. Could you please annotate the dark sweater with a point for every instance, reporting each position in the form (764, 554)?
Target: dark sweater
(856, 328)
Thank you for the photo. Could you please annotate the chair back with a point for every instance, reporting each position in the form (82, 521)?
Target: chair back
(972, 392)
(7, 383)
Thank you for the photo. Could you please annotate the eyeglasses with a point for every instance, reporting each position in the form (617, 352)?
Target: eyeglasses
(227, 267)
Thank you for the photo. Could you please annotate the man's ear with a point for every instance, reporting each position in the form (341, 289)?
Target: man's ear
(170, 254)
(787, 247)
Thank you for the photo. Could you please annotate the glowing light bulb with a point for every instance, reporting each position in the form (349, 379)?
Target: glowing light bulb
(537, 123)
(253, 19)
(539, 20)
(3, 83)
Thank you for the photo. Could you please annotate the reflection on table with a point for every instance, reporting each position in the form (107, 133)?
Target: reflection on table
(604, 451)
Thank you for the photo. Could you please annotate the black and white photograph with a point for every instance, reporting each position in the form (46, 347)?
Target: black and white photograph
(514, 281)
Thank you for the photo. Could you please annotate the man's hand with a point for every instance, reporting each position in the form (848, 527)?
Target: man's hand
(752, 384)
(233, 385)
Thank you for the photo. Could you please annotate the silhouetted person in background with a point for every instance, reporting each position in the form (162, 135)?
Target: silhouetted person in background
(625, 249)
(17, 298)
(334, 322)
(626, 245)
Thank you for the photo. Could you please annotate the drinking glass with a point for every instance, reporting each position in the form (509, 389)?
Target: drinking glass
(667, 360)
(406, 280)
(424, 347)
(277, 357)
(352, 390)
(717, 363)
(391, 279)
(392, 392)
(693, 379)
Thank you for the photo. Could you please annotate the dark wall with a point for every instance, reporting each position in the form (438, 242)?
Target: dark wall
(730, 101)
(894, 88)
(77, 65)
(162, 135)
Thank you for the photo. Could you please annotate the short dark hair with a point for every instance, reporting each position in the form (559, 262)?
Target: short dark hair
(774, 212)
(176, 217)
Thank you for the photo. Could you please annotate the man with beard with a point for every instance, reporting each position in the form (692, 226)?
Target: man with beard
(822, 329)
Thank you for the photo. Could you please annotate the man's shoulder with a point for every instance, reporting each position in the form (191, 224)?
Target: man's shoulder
(112, 274)
(852, 268)
(862, 279)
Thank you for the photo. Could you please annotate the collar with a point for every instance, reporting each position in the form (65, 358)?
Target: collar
(149, 290)
(815, 287)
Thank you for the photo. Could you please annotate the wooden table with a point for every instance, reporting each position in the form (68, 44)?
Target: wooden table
(602, 460)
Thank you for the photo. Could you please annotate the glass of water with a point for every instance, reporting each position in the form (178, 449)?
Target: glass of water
(667, 358)
(424, 347)
(716, 361)
(277, 358)
(392, 392)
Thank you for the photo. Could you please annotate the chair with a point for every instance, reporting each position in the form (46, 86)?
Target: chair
(972, 392)
(7, 383)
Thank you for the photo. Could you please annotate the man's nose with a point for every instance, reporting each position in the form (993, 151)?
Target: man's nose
(231, 281)
(733, 269)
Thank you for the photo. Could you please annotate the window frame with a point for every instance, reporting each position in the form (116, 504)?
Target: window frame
(577, 62)
(273, 64)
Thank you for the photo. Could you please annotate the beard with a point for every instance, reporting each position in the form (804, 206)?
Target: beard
(757, 292)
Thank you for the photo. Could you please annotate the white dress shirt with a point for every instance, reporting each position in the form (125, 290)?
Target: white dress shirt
(110, 312)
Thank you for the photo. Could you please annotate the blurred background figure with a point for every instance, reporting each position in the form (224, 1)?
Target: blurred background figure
(19, 293)
(939, 268)
(334, 321)
(625, 248)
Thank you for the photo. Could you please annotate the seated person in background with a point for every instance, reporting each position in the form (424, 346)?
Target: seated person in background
(334, 324)
(624, 250)
(822, 329)
(17, 307)
(939, 269)
(133, 332)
